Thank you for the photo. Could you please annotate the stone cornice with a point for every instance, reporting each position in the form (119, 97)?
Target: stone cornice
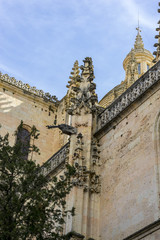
(129, 96)
(24, 95)
(28, 89)
(144, 232)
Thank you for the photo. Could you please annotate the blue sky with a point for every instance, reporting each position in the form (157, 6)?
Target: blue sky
(41, 39)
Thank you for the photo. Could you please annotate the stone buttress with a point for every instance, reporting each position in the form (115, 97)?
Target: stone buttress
(83, 108)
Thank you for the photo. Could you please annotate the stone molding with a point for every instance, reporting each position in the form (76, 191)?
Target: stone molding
(130, 95)
(75, 236)
(144, 232)
(56, 160)
(27, 88)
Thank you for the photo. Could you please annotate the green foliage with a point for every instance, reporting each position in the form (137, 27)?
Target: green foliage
(31, 205)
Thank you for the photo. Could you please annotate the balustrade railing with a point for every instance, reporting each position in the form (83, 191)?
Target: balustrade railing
(130, 95)
(26, 87)
(56, 160)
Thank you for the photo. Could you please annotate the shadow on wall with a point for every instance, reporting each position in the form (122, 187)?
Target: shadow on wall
(14, 109)
(8, 103)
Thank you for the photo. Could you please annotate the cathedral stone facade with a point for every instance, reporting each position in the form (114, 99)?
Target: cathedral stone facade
(114, 145)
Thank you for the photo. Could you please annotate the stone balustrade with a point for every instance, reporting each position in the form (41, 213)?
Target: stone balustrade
(28, 88)
(130, 95)
(56, 160)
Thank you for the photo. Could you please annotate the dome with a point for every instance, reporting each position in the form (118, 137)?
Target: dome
(138, 60)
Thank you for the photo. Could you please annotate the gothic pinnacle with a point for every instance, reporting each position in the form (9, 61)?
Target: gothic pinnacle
(83, 90)
(74, 74)
(75, 69)
(157, 45)
(138, 46)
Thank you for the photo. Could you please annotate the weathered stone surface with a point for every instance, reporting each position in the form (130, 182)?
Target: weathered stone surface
(16, 106)
(28, 89)
(129, 96)
(130, 194)
(117, 183)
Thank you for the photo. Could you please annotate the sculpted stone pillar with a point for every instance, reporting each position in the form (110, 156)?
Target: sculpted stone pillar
(84, 155)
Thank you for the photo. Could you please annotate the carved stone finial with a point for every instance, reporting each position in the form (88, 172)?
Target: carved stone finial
(87, 68)
(157, 45)
(72, 85)
(84, 92)
(74, 74)
(139, 45)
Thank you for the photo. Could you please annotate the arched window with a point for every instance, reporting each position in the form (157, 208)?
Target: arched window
(23, 136)
(139, 68)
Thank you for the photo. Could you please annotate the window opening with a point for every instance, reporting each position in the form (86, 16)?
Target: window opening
(139, 68)
(23, 136)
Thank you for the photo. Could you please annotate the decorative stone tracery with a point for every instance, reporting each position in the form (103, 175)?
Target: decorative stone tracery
(26, 87)
(80, 163)
(95, 180)
(88, 179)
(83, 91)
(129, 96)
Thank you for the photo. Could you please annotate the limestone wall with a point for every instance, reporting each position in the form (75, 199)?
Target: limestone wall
(130, 174)
(16, 105)
(153, 236)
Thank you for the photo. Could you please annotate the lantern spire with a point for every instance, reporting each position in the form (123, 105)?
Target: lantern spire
(138, 46)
